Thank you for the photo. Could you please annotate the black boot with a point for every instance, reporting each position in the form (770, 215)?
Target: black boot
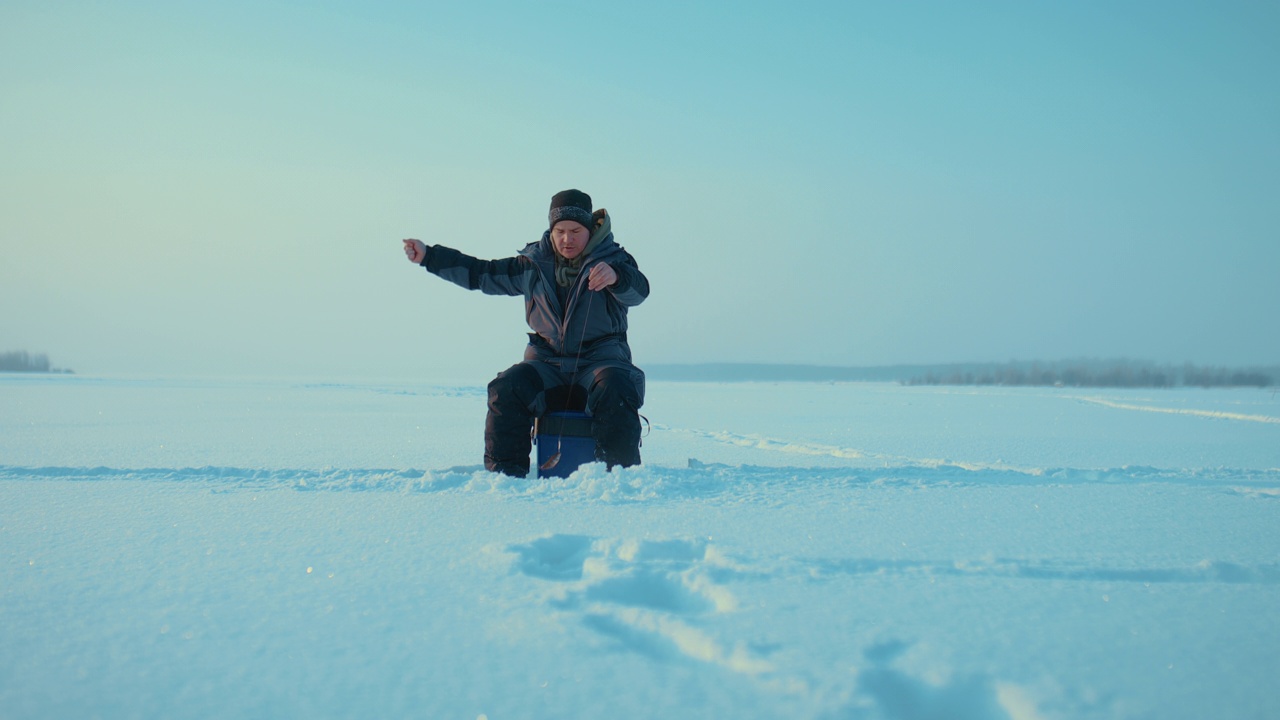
(614, 401)
(508, 426)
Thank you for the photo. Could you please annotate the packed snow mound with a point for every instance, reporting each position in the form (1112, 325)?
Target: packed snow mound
(595, 483)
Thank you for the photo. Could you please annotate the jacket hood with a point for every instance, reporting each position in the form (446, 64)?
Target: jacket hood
(603, 229)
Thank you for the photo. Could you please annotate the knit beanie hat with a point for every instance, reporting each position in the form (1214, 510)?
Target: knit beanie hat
(572, 205)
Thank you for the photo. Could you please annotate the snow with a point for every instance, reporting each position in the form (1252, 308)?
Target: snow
(218, 548)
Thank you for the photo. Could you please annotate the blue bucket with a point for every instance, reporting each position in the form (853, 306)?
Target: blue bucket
(568, 433)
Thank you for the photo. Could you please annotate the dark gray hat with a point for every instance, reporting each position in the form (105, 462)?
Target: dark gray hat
(572, 205)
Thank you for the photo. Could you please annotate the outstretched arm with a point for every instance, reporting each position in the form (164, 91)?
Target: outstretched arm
(492, 277)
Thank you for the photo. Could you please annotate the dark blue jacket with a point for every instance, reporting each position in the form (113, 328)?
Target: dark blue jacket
(590, 326)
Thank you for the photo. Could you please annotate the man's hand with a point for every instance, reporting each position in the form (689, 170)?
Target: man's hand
(415, 251)
(601, 277)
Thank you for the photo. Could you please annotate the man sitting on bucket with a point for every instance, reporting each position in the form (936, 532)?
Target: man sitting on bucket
(577, 284)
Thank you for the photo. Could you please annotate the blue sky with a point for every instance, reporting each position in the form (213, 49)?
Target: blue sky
(222, 188)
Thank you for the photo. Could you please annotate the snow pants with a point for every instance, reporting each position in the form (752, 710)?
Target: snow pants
(610, 393)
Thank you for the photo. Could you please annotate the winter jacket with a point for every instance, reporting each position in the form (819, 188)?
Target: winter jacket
(593, 326)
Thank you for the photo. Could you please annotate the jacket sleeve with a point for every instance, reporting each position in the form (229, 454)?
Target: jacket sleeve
(632, 287)
(508, 276)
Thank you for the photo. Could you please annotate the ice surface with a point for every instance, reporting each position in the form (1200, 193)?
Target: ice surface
(187, 549)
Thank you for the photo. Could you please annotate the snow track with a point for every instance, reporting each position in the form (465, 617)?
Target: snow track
(1211, 414)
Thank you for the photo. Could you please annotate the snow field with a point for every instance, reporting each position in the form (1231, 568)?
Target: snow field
(204, 551)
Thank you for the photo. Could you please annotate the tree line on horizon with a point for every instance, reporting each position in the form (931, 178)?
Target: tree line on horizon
(1118, 374)
(22, 361)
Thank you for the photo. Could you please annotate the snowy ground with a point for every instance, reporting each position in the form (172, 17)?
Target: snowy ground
(187, 549)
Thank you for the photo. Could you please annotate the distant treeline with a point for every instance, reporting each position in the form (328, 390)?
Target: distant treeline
(22, 361)
(1066, 373)
(760, 372)
(1099, 374)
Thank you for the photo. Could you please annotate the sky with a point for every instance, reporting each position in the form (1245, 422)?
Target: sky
(222, 188)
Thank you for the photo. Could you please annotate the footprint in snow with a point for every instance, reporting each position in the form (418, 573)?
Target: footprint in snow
(658, 598)
(644, 596)
(557, 557)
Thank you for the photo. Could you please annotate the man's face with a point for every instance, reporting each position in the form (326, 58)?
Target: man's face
(570, 238)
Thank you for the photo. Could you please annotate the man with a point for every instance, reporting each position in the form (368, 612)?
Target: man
(577, 284)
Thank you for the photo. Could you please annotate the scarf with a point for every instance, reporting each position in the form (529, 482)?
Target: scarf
(567, 270)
